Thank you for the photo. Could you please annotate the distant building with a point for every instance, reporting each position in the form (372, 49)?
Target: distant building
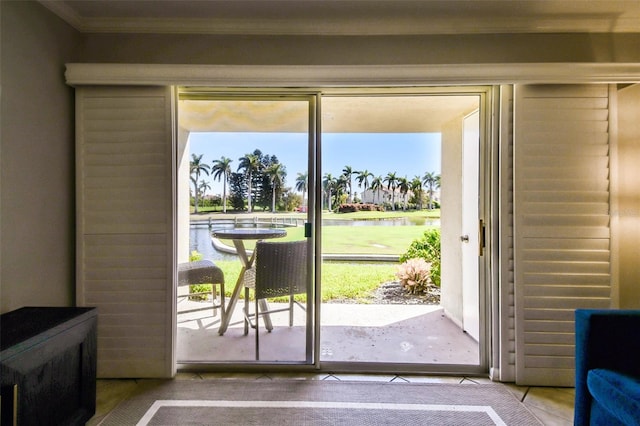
(383, 196)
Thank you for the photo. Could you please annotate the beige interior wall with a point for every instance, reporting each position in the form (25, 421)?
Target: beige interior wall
(342, 50)
(37, 220)
(629, 195)
(451, 220)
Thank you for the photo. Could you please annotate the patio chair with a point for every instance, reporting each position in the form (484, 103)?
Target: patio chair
(280, 270)
(203, 272)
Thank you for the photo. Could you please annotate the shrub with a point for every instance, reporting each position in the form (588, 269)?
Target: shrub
(428, 248)
(414, 275)
(356, 207)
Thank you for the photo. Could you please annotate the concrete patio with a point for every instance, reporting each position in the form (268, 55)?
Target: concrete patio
(382, 333)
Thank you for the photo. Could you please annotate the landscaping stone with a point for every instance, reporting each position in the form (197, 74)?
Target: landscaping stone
(392, 293)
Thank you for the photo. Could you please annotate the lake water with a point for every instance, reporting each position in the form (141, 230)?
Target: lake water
(200, 240)
(200, 235)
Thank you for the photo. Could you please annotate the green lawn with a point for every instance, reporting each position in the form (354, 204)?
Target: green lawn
(354, 281)
(369, 239)
(358, 239)
(344, 281)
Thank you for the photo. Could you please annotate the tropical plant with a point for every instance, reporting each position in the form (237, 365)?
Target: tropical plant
(357, 207)
(334, 188)
(432, 182)
(222, 169)
(363, 180)
(403, 187)
(416, 188)
(347, 173)
(290, 200)
(276, 173)
(376, 185)
(196, 168)
(414, 275)
(328, 184)
(203, 187)
(250, 164)
(261, 184)
(302, 184)
(428, 248)
(340, 189)
(392, 181)
(237, 191)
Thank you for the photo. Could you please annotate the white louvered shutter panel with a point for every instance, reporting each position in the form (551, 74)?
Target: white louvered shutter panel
(562, 233)
(124, 225)
(507, 294)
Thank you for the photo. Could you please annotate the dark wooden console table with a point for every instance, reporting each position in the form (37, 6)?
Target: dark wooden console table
(48, 365)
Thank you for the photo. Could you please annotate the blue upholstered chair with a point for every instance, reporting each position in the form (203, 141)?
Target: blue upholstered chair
(607, 367)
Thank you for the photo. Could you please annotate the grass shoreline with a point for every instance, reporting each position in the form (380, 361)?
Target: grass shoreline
(397, 214)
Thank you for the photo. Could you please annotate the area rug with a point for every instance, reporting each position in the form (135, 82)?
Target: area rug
(299, 402)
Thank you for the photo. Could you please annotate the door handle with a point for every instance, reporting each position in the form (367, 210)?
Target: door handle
(481, 238)
(464, 238)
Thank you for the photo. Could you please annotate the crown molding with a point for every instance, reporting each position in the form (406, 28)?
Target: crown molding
(65, 12)
(345, 27)
(349, 25)
(318, 76)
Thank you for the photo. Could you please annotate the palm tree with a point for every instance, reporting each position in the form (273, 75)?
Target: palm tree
(302, 184)
(347, 172)
(197, 167)
(276, 173)
(416, 187)
(328, 182)
(203, 187)
(363, 180)
(392, 180)
(250, 163)
(432, 181)
(376, 185)
(403, 186)
(222, 168)
(340, 185)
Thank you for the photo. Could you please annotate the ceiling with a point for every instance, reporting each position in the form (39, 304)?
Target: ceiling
(348, 17)
(342, 114)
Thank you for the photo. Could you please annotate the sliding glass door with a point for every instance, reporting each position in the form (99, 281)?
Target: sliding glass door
(245, 181)
(377, 185)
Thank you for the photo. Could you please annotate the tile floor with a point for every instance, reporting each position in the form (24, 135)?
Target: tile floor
(552, 406)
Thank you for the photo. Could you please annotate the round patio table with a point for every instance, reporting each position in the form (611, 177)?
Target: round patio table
(238, 235)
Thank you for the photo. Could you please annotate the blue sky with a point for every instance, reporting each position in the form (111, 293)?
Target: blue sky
(406, 154)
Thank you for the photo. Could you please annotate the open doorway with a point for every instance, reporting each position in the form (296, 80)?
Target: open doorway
(399, 174)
